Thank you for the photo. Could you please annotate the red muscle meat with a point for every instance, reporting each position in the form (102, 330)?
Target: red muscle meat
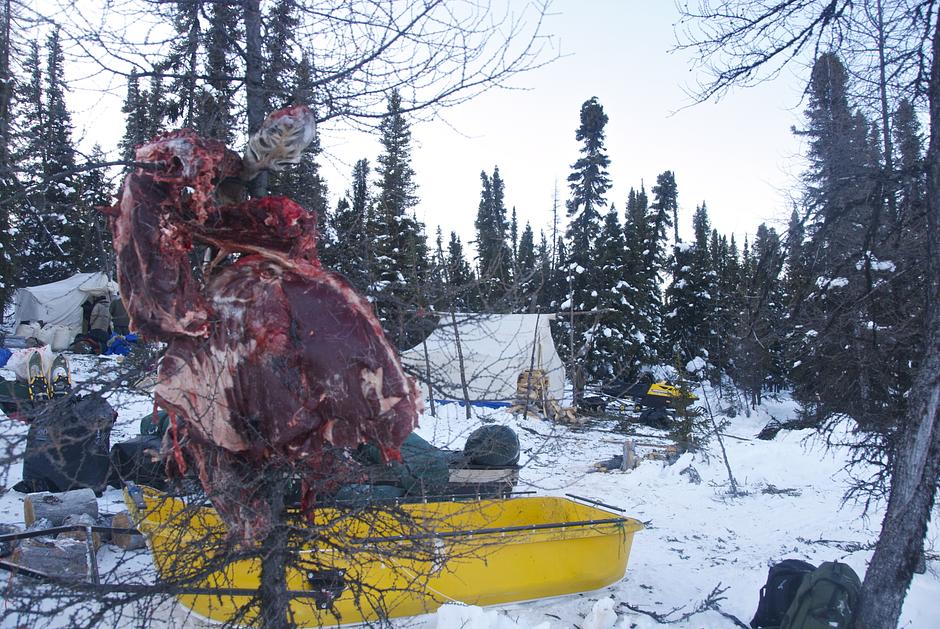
(271, 359)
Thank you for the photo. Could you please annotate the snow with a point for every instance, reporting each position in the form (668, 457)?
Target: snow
(885, 265)
(602, 615)
(684, 246)
(876, 264)
(454, 616)
(697, 535)
(835, 282)
(696, 365)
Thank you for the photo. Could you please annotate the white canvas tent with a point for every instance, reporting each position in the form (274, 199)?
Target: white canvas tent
(58, 303)
(495, 349)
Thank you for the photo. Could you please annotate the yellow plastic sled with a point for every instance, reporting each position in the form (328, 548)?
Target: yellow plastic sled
(394, 560)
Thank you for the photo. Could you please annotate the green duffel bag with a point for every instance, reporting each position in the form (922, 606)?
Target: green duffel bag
(363, 495)
(826, 599)
(158, 426)
(423, 470)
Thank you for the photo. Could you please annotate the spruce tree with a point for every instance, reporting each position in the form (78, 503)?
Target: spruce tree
(135, 119)
(645, 228)
(351, 227)
(94, 251)
(796, 283)
(614, 334)
(494, 254)
(73, 217)
(528, 279)
(759, 323)
(906, 250)
(588, 183)
(217, 119)
(458, 276)
(400, 244)
(183, 64)
(303, 182)
(280, 66)
(666, 204)
(691, 299)
(835, 339)
(514, 236)
(52, 223)
(543, 258)
(156, 106)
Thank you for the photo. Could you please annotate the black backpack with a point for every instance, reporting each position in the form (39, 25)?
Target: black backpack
(68, 444)
(783, 581)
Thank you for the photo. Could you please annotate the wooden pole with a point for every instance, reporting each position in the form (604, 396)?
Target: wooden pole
(427, 370)
(463, 374)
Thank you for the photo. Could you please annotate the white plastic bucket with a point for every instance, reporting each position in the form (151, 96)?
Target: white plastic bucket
(46, 334)
(27, 330)
(61, 338)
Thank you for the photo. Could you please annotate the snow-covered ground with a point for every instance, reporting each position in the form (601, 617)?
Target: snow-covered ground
(698, 536)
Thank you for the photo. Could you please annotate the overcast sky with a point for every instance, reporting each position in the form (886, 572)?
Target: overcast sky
(738, 155)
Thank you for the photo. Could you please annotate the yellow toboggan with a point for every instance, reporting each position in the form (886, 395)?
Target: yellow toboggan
(393, 560)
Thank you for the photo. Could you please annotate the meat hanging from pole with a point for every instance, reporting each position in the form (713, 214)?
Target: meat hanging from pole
(270, 359)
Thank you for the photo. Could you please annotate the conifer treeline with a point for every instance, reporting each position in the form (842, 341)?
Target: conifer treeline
(831, 306)
(50, 228)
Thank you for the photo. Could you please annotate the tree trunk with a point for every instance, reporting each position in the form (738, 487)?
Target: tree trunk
(274, 601)
(6, 174)
(254, 83)
(914, 478)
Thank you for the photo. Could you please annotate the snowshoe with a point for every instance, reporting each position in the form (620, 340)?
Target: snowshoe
(60, 377)
(36, 382)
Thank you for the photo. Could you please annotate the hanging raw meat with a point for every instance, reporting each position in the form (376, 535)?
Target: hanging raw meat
(272, 361)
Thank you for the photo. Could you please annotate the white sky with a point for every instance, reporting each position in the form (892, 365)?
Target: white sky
(738, 155)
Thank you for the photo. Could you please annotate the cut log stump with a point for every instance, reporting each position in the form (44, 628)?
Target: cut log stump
(82, 519)
(57, 507)
(63, 559)
(127, 541)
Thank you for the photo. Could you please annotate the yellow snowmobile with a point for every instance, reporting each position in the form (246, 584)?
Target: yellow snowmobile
(655, 401)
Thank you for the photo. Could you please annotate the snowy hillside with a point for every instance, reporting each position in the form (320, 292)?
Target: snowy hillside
(698, 537)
